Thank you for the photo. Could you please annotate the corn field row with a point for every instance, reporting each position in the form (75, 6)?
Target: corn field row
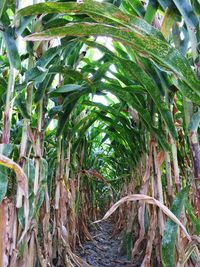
(99, 116)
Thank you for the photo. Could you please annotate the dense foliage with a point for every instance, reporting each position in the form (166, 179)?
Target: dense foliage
(99, 103)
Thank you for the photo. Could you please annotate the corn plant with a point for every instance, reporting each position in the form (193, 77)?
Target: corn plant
(65, 158)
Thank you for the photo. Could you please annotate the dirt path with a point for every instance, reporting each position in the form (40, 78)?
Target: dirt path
(103, 251)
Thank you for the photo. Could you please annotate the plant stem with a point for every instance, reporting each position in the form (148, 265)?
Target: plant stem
(8, 107)
(57, 193)
(68, 161)
(38, 148)
(26, 121)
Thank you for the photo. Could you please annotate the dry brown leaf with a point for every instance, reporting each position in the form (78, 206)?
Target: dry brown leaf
(21, 176)
(23, 185)
(149, 200)
(4, 233)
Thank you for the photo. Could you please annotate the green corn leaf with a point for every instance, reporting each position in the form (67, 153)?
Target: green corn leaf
(66, 71)
(23, 24)
(156, 49)
(193, 217)
(64, 116)
(185, 90)
(151, 10)
(43, 171)
(67, 89)
(36, 74)
(42, 187)
(101, 12)
(100, 73)
(52, 113)
(164, 3)
(133, 7)
(84, 124)
(168, 21)
(147, 40)
(48, 56)
(143, 112)
(57, 22)
(30, 173)
(29, 169)
(43, 87)
(11, 48)
(3, 86)
(154, 92)
(131, 70)
(196, 6)
(41, 194)
(6, 150)
(2, 7)
(187, 12)
(87, 125)
(169, 236)
(20, 102)
(194, 122)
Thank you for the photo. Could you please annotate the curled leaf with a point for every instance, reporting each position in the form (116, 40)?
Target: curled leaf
(149, 200)
(21, 176)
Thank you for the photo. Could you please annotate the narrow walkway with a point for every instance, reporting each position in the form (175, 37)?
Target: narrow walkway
(103, 251)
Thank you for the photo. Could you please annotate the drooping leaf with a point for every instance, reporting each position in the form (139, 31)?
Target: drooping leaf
(156, 49)
(153, 201)
(133, 70)
(101, 12)
(133, 7)
(67, 89)
(48, 56)
(66, 71)
(20, 102)
(20, 174)
(43, 87)
(64, 116)
(36, 74)
(11, 48)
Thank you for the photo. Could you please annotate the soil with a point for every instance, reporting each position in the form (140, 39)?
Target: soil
(102, 250)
